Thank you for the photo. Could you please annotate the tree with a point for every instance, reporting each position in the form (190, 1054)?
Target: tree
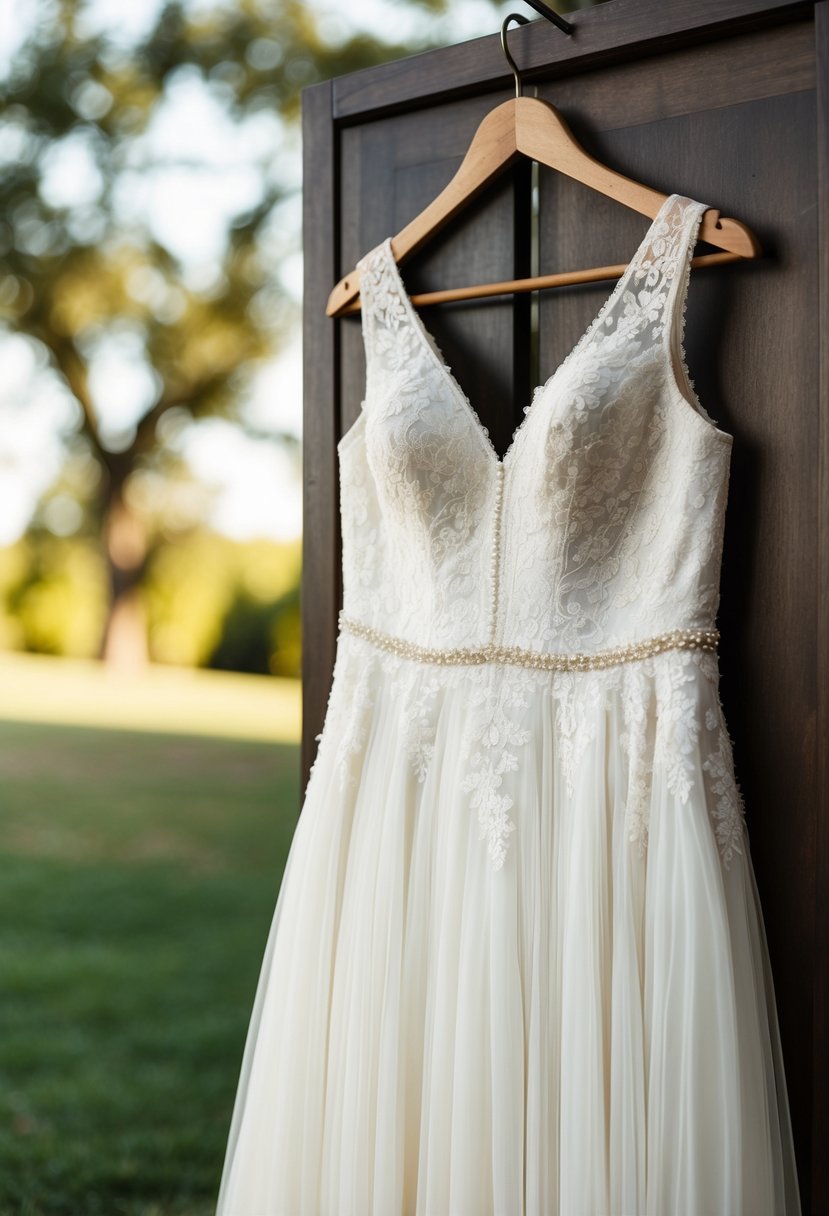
(80, 277)
(84, 274)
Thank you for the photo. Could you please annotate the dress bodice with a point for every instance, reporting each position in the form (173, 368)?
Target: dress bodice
(603, 523)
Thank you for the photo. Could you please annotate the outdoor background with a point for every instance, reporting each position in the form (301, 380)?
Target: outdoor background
(150, 563)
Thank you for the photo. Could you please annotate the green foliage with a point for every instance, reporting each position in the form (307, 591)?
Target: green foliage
(130, 944)
(188, 591)
(286, 657)
(52, 595)
(74, 273)
(209, 600)
(260, 636)
(80, 275)
(220, 603)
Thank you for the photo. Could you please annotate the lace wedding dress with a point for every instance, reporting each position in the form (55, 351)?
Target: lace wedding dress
(517, 963)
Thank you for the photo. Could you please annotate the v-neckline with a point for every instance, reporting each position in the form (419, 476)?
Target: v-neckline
(540, 390)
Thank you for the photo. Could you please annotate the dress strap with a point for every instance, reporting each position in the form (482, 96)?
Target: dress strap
(651, 308)
(677, 300)
(369, 267)
(656, 269)
(382, 313)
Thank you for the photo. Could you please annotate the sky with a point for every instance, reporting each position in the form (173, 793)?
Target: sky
(256, 483)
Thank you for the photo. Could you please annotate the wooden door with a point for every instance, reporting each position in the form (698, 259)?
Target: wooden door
(727, 104)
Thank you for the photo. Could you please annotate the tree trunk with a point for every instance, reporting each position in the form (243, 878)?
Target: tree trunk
(124, 643)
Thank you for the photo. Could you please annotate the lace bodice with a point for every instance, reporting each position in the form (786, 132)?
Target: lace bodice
(603, 523)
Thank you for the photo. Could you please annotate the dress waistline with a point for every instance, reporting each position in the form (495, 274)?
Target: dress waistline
(490, 652)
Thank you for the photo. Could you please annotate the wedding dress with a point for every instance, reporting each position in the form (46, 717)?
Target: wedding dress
(517, 962)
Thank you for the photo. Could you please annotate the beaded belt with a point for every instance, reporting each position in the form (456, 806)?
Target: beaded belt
(675, 639)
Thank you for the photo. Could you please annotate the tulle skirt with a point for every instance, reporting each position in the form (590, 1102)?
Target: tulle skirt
(517, 963)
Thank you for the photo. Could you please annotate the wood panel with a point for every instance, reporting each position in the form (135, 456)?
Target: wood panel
(722, 100)
(320, 590)
(609, 33)
(715, 122)
(820, 809)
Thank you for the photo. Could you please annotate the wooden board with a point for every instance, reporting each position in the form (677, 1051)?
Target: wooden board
(727, 103)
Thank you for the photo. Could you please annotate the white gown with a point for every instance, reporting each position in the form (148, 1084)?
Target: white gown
(517, 963)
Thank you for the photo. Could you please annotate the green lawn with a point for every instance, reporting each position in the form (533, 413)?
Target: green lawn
(138, 876)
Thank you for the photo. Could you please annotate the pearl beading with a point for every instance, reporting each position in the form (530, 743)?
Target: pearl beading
(495, 552)
(675, 639)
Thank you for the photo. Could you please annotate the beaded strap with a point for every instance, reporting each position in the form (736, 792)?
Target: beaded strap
(675, 639)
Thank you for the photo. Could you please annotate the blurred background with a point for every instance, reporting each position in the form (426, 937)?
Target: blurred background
(150, 562)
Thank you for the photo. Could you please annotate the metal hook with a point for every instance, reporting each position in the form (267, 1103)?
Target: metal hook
(519, 88)
(540, 7)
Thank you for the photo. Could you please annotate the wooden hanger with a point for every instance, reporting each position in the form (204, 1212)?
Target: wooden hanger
(528, 126)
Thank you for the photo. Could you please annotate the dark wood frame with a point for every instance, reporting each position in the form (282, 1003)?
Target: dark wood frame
(610, 36)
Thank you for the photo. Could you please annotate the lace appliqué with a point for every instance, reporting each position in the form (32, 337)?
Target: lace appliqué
(576, 705)
(677, 735)
(637, 741)
(494, 732)
(418, 691)
(671, 718)
(679, 747)
(725, 796)
(354, 733)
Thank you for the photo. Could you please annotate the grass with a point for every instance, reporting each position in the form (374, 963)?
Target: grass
(38, 688)
(138, 876)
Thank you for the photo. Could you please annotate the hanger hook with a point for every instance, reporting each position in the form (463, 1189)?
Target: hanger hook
(566, 26)
(519, 88)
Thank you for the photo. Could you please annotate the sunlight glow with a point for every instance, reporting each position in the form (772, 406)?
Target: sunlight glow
(188, 177)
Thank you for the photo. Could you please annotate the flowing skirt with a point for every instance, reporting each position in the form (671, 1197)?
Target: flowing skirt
(517, 963)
